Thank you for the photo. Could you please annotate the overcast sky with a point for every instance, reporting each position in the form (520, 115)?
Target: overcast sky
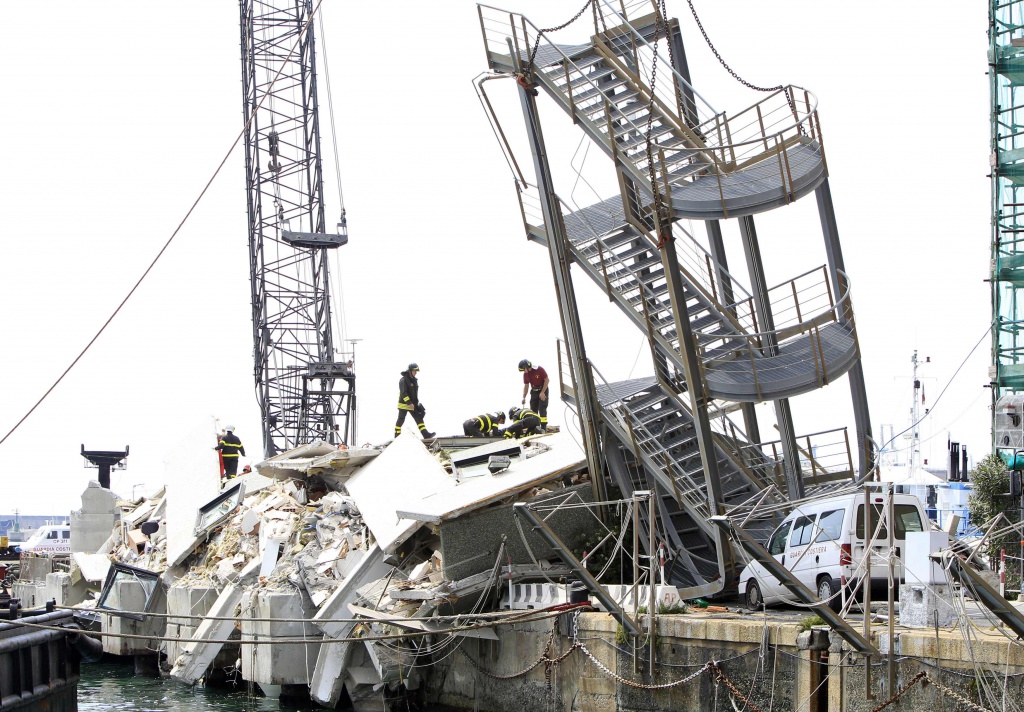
(116, 114)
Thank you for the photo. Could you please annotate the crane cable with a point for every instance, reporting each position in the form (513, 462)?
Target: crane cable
(339, 315)
(188, 214)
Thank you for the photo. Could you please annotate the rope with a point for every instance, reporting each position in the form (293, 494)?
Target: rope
(729, 69)
(167, 244)
(547, 613)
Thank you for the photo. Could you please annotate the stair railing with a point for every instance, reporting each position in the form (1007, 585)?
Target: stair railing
(765, 130)
(825, 456)
(752, 343)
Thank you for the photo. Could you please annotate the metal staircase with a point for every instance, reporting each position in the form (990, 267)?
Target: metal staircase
(672, 433)
(816, 339)
(650, 444)
(658, 450)
(711, 165)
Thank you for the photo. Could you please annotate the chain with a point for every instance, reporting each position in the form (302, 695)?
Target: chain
(639, 685)
(542, 659)
(956, 696)
(902, 691)
(736, 76)
(536, 45)
(663, 229)
(718, 676)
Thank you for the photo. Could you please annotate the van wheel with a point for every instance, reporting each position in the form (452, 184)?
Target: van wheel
(826, 590)
(755, 601)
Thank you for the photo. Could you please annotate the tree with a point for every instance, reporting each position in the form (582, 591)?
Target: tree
(990, 487)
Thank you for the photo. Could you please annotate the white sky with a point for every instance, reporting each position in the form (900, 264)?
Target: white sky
(117, 113)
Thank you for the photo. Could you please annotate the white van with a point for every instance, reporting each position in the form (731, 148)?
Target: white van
(49, 539)
(822, 543)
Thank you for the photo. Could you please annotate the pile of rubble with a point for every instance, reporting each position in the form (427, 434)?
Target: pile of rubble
(320, 549)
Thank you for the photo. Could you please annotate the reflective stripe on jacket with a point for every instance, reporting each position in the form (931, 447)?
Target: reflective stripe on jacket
(408, 392)
(230, 445)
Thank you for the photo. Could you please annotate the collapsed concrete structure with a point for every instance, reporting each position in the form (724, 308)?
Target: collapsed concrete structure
(275, 577)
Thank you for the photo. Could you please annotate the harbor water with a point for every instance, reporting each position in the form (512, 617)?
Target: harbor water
(114, 685)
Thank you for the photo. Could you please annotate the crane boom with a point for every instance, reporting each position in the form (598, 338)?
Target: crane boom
(293, 347)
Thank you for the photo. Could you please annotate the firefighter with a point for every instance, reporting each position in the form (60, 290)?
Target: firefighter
(230, 447)
(535, 380)
(484, 426)
(524, 422)
(409, 402)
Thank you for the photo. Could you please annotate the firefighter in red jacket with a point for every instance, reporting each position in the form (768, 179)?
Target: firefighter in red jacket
(535, 381)
(409, 401)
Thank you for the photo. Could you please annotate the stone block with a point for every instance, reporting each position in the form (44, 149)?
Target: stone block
(186, 602)
(921, 605)
(61, 588)
(278, 664)
(31, 593)
(131, 596)
(97, 500)
(89, 531)
(35, 568)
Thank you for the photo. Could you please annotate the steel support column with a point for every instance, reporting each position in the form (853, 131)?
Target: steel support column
(770, 347)
(858, 390)
(579, 366)
(717, 245)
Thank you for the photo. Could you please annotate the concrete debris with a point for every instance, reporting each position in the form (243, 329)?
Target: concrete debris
(316, 539)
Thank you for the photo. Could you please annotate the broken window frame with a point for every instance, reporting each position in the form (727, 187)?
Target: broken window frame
(143, 576)
(204, 523)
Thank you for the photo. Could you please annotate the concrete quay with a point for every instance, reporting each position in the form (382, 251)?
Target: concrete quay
(768, 663)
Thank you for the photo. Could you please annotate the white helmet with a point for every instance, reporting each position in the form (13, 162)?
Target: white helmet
(230, 428)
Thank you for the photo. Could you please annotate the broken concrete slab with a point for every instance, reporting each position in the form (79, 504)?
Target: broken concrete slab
(328, 676)
(187, 603)
(331, 664)
(193, 480)
(61, 587)
(397, 479)
(295, 462)
(199, 653)
(453, 499)
(133, 596)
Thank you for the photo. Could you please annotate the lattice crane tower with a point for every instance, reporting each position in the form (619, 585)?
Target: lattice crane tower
(296, 371)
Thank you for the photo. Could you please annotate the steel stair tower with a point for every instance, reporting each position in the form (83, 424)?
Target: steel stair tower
(719, 344)
(1006, 77)
(304, 393)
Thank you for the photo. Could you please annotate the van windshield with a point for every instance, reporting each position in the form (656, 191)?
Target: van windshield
(907, 516)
